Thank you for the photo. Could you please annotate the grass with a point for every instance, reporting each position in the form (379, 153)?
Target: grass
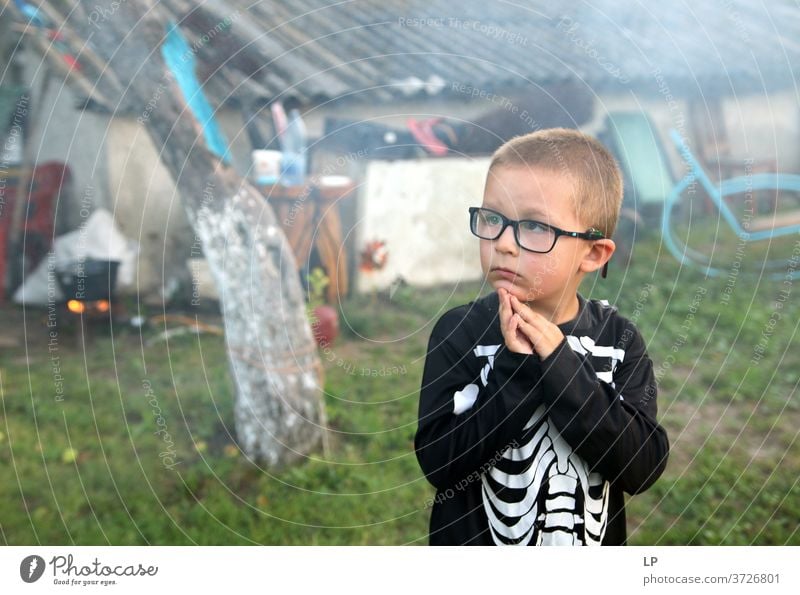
(88, 469)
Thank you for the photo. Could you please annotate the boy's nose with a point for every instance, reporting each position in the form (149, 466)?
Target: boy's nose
(506, 243)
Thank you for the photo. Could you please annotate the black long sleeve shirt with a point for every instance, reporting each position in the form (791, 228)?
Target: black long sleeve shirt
(531, 451)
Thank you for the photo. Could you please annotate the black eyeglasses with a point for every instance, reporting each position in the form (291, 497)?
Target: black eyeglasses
(533, 236)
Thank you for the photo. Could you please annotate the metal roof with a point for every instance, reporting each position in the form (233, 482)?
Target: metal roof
(379, 51)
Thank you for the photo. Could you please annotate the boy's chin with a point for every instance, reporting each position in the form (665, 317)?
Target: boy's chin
(523, 294)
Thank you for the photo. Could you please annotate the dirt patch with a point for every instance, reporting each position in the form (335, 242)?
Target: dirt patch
(755, 432)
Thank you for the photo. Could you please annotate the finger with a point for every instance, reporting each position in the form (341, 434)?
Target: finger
(528, 330)
(520, 322)
(518, 304)
(508, 309)
(505, 312)
(508, 331)
(523, 339)
(510, 334)
(517, 340)
(529, 315)
(523, 310)
(513, 328)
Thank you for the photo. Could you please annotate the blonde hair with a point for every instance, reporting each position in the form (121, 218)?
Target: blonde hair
(595, 175)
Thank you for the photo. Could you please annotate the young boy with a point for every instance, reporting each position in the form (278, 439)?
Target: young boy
(538, 407)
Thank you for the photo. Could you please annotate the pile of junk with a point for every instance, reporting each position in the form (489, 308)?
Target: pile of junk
(75, 275)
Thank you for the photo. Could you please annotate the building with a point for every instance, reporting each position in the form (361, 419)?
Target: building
(721, 72)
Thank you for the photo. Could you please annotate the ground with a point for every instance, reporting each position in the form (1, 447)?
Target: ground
(91, 464)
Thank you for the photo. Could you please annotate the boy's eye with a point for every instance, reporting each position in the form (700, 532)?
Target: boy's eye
(490, 219)
(532, 226)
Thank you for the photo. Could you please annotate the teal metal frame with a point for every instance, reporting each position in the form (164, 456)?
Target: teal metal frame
(717, 193)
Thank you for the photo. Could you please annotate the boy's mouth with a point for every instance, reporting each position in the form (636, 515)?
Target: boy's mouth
(505, 273)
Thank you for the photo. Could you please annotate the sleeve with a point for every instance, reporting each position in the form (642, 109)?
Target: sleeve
(613, 427)
(471, 408)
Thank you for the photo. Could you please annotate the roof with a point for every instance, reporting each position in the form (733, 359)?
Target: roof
(383, 50)
(11, 102)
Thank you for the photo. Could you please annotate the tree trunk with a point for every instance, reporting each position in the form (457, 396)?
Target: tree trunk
(279, 409)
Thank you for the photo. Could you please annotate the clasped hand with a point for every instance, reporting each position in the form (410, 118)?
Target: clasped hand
(524, 330)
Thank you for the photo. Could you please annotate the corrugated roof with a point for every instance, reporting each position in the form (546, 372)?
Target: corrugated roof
(373, 50)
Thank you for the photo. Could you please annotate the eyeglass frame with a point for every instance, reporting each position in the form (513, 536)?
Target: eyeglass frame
(591, 234)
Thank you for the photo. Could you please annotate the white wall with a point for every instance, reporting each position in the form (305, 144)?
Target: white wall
(419, 207)
(765, 129)
(147, 207)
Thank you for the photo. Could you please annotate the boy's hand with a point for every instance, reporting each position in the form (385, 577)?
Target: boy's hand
(538, 332)
(515, 339)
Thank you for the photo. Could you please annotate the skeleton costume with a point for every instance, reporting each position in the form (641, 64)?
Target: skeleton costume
(525, 451)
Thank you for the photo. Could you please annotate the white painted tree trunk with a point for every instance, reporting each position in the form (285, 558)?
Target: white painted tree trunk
(279, 407)
(279, 410)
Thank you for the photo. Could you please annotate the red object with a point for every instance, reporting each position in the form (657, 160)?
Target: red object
(374, 256)
(71, 61)
(279, 118)
(326, 325)
(47, 182)
(422, 131)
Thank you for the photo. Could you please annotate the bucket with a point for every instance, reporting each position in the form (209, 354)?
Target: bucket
(266, 166)
(88, 280)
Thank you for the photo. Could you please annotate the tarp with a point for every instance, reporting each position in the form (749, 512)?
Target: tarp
(98, 238)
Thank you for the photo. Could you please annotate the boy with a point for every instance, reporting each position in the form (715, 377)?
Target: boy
(538, 407)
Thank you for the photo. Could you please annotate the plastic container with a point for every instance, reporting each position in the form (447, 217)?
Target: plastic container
(266, 166)
(294, 145)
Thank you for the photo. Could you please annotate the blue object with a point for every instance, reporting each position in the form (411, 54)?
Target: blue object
(31, 12)
(294, 145)
(266, 180)
(717, 193)
(180, 59)
(634, 139)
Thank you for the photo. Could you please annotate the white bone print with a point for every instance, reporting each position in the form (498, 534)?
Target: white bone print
(551, 499)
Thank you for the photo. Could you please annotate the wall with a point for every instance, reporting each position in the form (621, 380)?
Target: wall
(757, 127)
(765, 130)
(147, 208)
(116, 166)
(419, 207)
(76, 138)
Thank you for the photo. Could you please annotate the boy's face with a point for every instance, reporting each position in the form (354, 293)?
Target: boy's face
(544, 280)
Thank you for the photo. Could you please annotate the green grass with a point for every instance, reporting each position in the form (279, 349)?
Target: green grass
(86, 470)
(725, 353)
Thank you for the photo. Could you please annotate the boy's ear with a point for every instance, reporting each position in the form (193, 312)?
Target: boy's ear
(598, 255)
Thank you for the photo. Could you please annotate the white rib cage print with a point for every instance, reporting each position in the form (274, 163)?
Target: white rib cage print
(541, 493)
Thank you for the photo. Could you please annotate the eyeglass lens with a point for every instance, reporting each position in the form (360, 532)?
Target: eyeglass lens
(530, 234)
